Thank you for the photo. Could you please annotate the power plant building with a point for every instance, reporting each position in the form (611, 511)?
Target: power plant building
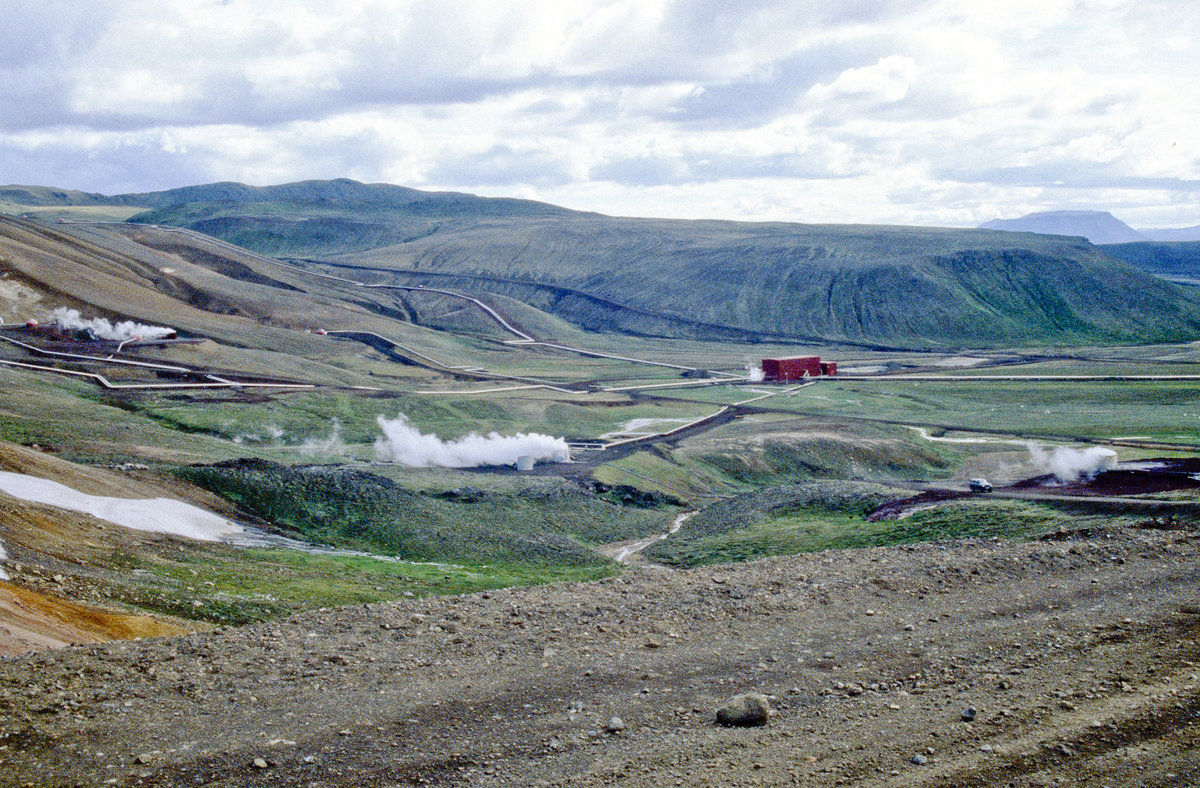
(797, 368)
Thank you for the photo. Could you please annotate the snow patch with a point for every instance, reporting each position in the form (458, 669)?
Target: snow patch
(159, 515)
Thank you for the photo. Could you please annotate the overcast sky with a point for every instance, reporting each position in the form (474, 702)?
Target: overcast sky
(942, 112)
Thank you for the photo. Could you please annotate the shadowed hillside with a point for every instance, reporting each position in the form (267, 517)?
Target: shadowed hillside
(1175, 260)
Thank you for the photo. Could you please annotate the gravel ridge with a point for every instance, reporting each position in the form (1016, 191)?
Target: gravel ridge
(1078, 653)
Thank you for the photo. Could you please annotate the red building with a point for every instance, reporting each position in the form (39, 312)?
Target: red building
(784, 369)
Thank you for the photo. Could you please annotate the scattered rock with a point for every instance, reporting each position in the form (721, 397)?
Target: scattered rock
(919, 759)
(615, 725)
(969, 714)
(260, 763)
(746, 709)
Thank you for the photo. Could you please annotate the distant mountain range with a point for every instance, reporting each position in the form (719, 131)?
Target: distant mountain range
(1099, 227)
(896, 287)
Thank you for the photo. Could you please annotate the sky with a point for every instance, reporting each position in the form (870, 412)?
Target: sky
(920, 112)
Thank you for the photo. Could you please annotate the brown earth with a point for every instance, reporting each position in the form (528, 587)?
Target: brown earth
(1078, 652)
(30, 620)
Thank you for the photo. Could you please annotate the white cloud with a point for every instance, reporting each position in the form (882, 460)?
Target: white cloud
(914, 112)
(887, 80)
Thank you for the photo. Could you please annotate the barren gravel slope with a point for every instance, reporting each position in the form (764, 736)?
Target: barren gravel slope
(1078, 653)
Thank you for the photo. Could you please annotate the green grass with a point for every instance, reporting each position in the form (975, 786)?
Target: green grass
(808, 518)
(222, 585)
(1164, 411)
(544, 525)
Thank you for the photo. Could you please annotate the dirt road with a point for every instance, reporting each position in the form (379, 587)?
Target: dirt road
(1077, 653)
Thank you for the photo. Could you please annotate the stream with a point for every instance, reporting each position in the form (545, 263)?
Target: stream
(627, 552)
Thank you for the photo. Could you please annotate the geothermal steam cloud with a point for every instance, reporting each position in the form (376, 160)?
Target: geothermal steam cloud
(101, 328)
(403, 443)
(1070, 465)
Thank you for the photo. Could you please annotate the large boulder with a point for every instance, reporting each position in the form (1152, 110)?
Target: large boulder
(746, 709)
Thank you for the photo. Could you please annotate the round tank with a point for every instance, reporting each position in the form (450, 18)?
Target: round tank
(525, 463)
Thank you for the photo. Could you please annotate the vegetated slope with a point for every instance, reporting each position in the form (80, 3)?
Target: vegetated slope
(47, 196)
(343, 506)
(875, 285)
(1099, 227)
(887, 286)
(320, 218)
(1175, 260)
(872, 285)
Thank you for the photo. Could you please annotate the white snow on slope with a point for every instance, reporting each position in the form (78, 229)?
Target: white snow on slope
(160, 515)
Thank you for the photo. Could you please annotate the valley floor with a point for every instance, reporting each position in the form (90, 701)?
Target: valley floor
(1078, 653)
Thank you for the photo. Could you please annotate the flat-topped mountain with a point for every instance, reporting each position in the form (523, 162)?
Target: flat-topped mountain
(1099, 227)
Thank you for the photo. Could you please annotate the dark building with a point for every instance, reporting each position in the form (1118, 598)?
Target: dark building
(785, 369)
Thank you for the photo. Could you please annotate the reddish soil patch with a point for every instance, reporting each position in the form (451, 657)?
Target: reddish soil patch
(1152, 476)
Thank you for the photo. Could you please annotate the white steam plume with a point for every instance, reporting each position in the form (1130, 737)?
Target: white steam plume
(331, 445)
(403, 443)
(101, 328)
(1070, 465)
(754, 374)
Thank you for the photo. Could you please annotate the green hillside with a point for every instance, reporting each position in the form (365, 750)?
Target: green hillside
(867, 285)
(873, 285)
(1175, 260)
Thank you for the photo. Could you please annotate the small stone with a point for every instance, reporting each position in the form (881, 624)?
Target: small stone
(1065, 750)
(969, 714)
(746, 709)
(260, 763)
(144, 758)
(615, 725)
(985, 748)
(919, 759)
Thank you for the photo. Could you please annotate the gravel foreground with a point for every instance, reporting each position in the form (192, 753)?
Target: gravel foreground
(1070, 660)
